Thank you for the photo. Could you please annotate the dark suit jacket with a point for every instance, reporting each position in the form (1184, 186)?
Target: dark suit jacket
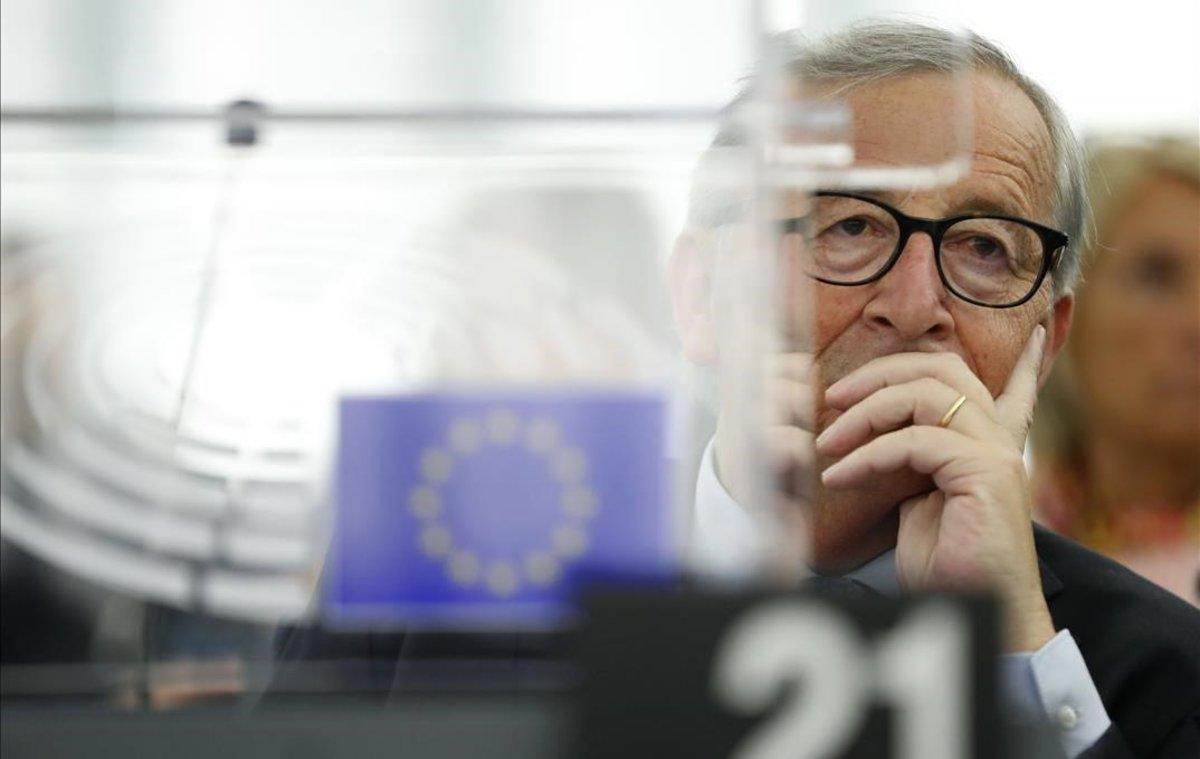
(1141, 645)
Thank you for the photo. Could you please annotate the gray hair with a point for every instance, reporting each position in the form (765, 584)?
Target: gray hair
(874, 50)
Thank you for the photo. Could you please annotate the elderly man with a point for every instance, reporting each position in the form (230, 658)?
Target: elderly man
(938, 314)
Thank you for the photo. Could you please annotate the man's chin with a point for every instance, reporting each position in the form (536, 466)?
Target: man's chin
(851, 527)
(836, 550)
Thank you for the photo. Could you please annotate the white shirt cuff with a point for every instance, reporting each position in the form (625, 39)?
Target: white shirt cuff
(1054, 682)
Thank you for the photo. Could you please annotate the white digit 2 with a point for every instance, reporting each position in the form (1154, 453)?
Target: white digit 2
(804, 646)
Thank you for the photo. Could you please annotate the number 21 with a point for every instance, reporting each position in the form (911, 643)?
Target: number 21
(919, 668)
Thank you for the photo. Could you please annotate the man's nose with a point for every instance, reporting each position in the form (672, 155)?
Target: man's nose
(910, 298)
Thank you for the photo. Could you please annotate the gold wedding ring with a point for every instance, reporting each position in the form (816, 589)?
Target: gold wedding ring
(949, 415)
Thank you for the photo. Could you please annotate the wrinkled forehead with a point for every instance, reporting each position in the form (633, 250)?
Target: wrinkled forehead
(930, 119)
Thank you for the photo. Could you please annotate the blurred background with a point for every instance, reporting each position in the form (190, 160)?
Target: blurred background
(181, 314)
(1124, 68)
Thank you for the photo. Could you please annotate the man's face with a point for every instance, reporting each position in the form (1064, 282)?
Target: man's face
(896, 121)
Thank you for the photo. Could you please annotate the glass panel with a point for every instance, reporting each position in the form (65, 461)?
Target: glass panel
(803, 124)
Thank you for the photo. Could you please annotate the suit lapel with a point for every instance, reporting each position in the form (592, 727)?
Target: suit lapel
(1051, 585)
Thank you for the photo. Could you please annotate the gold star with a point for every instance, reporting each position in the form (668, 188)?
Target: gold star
(502, 426)
(541, 435)
(501, 578)
(464, 435)
(436, 465)
(569, 465)
(541, 568)
(568, 541)
(580, 502)
(424, 502)
(435, 540)
(464, 568)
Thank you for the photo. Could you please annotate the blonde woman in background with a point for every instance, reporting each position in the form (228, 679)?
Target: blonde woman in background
(1116, 441)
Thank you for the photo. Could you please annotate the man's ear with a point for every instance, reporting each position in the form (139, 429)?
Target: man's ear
(690, 281)
(1058, 326)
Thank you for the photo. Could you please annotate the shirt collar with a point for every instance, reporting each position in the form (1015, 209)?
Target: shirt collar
(726, 541)
(879, 574)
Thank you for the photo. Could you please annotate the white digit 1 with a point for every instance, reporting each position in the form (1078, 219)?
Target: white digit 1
(921, 669)
(809, 647)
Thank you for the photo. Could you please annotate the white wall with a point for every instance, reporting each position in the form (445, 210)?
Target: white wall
(1113, 65)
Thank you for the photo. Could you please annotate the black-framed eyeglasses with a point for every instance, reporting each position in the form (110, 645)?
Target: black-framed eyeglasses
(989, 260)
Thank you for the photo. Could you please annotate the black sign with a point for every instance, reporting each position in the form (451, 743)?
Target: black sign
(757, 676)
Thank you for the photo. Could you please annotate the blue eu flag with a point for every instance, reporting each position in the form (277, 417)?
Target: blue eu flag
(486, 509)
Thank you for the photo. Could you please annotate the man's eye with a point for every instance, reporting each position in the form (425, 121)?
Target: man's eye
(854, 226)
(979, 247)
(985, 247)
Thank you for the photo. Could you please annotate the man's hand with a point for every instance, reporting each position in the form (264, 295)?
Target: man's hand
(973, 531)
(787, 442)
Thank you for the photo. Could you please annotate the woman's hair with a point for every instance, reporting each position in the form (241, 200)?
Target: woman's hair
(1117, 168)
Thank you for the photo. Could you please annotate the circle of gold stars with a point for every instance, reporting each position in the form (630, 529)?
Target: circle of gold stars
(540, 567)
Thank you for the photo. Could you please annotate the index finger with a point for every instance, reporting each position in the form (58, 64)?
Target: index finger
(1014, 405)
(900, 368)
